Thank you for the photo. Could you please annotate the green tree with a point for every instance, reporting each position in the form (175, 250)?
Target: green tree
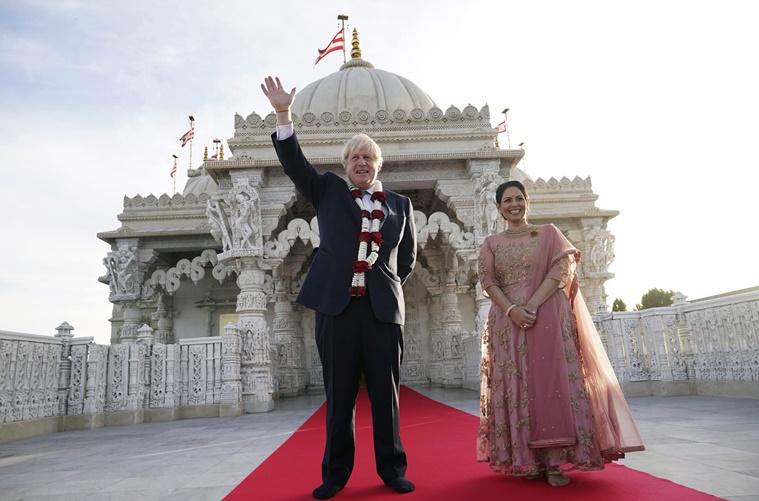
(618, 305)
(655, 298)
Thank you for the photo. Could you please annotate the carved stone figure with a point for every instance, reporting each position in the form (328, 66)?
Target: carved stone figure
(248, 346)
(110, 275)
(218, 225)
(601, 244)
(488, 208)
(121, 271)
(242, 227)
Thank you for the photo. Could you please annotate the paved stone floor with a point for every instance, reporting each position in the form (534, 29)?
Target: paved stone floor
(707, 443)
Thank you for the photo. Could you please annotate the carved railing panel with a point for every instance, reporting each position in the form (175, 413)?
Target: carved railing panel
(708, 341)
(28, 377)
(201, 373)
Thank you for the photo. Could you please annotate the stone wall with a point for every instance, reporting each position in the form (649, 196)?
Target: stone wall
(58, 383)
(705, 347)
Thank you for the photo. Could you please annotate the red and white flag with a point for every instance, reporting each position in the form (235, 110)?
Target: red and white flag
(502, 127)
(173, 170)
(335, 44)
(189, 135)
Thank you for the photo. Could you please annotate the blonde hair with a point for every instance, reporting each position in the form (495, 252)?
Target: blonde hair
(360, 141)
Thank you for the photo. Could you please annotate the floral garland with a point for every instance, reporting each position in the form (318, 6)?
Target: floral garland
(370, 235)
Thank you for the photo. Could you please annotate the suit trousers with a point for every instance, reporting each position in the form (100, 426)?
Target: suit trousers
(351, 343)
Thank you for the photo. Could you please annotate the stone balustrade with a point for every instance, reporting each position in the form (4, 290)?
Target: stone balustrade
(704, 347)
(57, 383)
(60, 383)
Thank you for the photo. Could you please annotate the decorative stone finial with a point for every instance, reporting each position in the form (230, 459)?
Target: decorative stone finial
(356, 50)
(145, 334)
(64, 330)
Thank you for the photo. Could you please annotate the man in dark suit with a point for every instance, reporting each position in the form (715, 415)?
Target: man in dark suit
(367, 250)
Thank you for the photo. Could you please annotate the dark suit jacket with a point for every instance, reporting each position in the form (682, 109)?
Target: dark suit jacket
(326, 288)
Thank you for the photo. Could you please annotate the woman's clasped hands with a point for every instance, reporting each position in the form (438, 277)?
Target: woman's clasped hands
(523, 316)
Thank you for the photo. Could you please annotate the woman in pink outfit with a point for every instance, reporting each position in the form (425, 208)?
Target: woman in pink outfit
(550, 401)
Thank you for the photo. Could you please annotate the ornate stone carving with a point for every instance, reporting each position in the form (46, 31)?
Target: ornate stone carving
(235, 221)
(170, 280)
(487, 207)
(601, 249)
(439, 222)
(296, 229)
(122, 272)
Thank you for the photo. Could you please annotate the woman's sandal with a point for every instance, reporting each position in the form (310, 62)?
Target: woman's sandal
(536, 476)
(557, 479)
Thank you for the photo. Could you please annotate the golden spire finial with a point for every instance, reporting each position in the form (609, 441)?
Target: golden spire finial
(356, 50)
(205, 154)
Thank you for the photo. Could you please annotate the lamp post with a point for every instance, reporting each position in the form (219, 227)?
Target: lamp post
(506, 123)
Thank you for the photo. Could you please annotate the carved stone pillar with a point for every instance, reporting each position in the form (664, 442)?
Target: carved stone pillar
(412, 369)
(231, 383)
(64, 366)
(597, 255)
(135, 384)
(94, 400)
(256, 372)
(437, 340)
(451, 324)
(132, 322)
(145, 338)
(126, 266)
(165, 317)
(684, 334)
(235, 220)
(290, 347)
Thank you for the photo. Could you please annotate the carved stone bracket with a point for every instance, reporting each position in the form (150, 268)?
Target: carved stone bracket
(126, 266)
(439, 223)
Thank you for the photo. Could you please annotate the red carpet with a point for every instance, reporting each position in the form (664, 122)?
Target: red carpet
(440, 444)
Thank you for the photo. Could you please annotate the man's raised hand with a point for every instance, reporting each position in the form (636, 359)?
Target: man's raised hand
(279, 98)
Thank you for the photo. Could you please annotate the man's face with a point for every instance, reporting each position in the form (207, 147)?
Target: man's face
(362, 168)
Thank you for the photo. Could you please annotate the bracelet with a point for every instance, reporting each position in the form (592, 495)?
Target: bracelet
(508, 310)
(282, 111)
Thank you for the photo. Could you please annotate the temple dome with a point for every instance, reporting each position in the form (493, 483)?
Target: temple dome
(358, 86)
(198, 183)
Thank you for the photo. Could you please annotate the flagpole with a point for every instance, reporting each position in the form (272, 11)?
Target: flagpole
(505, 121)
(192, 127)
(174, 174)
(342, 18)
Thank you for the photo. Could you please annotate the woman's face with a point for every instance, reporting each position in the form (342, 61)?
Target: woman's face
(513, 206)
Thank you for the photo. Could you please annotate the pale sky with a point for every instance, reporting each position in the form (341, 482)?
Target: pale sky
(655, 101)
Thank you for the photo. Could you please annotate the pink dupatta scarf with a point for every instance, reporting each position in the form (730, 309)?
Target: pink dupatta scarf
(552, 422)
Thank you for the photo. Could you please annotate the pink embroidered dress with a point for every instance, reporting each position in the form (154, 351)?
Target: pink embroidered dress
(549, 394)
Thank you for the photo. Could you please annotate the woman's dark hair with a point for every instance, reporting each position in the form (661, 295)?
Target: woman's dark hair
(508, 184)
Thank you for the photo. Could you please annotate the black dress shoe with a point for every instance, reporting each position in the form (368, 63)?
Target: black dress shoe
(401, 485)
(327, 490)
